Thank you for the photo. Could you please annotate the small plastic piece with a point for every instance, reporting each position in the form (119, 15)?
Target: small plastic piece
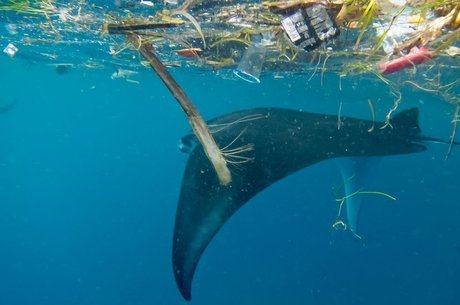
(190, 52)
(251, 64)
(11, 50)
(147, 3)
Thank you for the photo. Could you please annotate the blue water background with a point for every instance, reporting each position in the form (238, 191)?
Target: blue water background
(90, 176)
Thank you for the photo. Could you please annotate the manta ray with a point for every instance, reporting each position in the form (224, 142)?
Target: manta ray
(263, 146)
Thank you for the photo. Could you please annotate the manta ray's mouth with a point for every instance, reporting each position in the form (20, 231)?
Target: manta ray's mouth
(187, 143)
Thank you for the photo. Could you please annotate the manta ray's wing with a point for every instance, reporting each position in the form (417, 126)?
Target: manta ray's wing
(205, 205)
(284, 141)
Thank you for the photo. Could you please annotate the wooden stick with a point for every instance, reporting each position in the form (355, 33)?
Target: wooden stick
(199, 127)
(115, 28)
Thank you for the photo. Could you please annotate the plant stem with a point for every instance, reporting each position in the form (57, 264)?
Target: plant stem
(199, 127)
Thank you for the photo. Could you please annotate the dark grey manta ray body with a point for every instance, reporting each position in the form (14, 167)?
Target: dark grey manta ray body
(284, 141)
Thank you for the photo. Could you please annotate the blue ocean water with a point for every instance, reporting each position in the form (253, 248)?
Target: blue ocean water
(90, 175)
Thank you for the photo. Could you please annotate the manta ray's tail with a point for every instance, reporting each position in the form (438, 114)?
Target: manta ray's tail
(435, 140)
(407, 123)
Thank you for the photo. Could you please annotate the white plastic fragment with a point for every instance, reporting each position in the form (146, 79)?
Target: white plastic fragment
(453, 51)
(63, 14)
(11, 50)
(172, 2)
(124, 74)
(395, 33)
(146, 3)
(398, 3)
(11, 28)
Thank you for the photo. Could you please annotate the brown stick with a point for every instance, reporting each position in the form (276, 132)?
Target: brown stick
(199, 127)
(115, 28)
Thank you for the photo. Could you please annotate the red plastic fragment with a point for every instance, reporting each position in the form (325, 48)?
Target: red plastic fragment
(415, 57)
(189, 53)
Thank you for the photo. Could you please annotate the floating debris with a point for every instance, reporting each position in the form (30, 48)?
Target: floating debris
(10, 50)
(309, 27)
(371, 38)
(251, 63)
(123, 74)
(453, 51)
(415, 57)
(190, 52)
(147, 3)
(12, 29)
(63, 68)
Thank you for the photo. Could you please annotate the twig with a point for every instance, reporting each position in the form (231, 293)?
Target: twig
(199, 127)
(371, 107)
(114, 28)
